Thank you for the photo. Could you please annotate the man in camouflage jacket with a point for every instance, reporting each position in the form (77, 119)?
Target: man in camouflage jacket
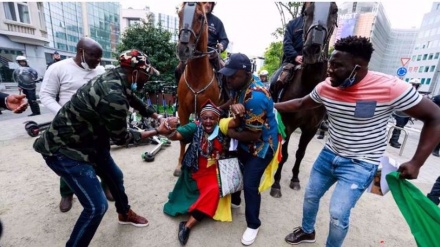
(77, 144)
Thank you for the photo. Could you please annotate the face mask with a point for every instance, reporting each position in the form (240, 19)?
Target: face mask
(351, 78)
(84, 64)
(133, 85)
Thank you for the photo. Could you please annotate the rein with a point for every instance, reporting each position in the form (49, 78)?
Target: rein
(198, 92)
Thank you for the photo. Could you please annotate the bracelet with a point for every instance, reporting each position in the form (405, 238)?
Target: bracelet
(6, 102)
(172, 134)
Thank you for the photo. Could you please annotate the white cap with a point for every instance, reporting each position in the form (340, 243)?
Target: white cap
(264, 72)
(20, 58)
(414, 81)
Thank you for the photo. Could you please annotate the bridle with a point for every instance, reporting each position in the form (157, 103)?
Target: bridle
(187, 31)
(322, 33)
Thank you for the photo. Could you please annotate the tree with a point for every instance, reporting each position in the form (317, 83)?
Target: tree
(155, 42)
(272, 57)
(274, 53)
(292, 9)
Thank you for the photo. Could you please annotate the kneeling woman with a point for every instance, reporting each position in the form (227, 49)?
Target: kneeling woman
(197, 191)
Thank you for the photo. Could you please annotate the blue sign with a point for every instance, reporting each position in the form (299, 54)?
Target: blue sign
(401, 71)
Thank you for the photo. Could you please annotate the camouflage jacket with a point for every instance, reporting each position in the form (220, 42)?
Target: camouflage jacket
(96, 113)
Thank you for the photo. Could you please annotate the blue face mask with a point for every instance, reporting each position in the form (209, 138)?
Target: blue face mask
(134, 86)
(350, 80)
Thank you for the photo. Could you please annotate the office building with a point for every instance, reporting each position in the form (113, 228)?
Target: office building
(425, 57)
(37, 29)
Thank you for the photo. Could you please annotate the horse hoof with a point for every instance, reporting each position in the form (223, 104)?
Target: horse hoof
(177, 173)
(275, 193)
(295, 186)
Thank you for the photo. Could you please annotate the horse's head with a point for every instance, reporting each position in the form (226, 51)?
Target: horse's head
(320, 19)
(193, 35)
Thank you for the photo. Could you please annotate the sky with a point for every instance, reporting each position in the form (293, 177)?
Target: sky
(250, 24)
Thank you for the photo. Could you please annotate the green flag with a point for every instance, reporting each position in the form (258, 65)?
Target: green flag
(421, 214)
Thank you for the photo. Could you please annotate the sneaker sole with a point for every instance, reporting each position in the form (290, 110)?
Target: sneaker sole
(247, 243)
(133, 224)
(304, 241)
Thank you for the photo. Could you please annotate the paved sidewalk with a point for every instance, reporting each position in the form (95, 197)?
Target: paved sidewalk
(14, 128)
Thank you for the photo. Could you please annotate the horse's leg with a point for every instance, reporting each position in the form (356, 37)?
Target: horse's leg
(306, 137)
(275, 191)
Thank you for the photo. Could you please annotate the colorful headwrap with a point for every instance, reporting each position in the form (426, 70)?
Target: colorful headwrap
(209, 106)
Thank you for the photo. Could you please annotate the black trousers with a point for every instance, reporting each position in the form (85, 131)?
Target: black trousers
(32, 100)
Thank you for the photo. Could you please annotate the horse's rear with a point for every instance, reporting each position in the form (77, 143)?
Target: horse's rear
(198, 81)
(320, 19)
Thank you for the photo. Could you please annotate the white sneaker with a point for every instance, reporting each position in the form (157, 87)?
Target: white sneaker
(249, 236)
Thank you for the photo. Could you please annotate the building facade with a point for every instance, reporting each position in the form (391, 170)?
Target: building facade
(399, 46)
(366, 19)
(425, 57)
(130, 17)
(37, 29)
(22, 32)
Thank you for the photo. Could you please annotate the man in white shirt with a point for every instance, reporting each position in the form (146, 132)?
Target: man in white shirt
(61, 81)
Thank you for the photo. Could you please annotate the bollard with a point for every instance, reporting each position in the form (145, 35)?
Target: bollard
(404, 138)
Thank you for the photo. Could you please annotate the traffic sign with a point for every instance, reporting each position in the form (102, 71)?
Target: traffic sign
(404, 61)
(401, 71)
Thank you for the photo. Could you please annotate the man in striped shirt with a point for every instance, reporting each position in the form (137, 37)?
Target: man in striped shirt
(359, 103)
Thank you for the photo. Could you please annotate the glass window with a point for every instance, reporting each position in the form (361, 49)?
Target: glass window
(425, 56)
(432, 68)
(23, 12)
(428, 81)
(431, 55)
(422, 81)
(419, 57)
(413, 58)
(426, 68)
(10, 11)
(437, 55)
(421, 69)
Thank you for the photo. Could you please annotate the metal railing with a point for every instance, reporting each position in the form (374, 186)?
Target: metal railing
(404, 138)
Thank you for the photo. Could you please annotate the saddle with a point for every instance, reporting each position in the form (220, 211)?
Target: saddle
(218, 63)
(286, 76)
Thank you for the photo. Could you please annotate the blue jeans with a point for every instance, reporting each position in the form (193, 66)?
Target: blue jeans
(253, 169)
(82, 179)
(352, 177)
(434, 195)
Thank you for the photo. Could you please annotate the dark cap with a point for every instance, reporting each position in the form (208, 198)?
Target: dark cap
(236, 61)
(56, 52)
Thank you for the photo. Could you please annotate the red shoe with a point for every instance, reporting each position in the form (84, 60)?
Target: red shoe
(132, 218)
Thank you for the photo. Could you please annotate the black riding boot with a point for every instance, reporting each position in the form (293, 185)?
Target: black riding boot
(321, 134)
(436, 150)
(394, 141)
(35, 108)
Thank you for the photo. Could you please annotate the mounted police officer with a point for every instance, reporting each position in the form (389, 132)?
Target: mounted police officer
(217, 40)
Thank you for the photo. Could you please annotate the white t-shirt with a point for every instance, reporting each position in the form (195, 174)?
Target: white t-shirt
(64, 78)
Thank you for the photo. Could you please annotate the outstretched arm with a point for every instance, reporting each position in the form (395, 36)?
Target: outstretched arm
(293, 105)
(429, 113)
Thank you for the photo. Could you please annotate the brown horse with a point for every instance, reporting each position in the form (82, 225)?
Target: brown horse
(198, 82)
(319, 22)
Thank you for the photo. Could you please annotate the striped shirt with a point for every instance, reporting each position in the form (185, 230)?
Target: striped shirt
(358, 115)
